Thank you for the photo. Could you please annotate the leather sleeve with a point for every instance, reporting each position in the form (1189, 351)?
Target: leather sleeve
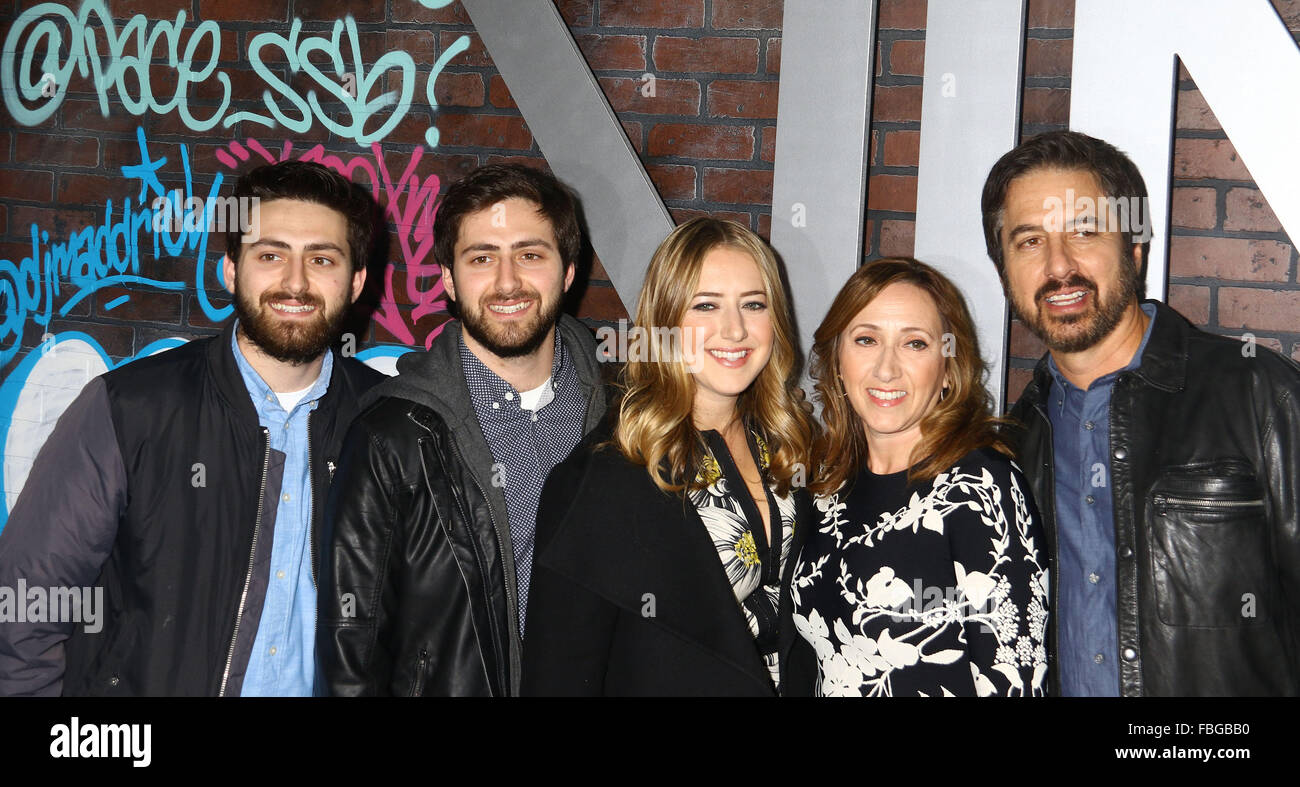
(570, 629)
(58, 535)
(1281, 444)
(358, 594)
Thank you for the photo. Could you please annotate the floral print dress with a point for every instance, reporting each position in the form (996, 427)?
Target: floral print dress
(930, 589)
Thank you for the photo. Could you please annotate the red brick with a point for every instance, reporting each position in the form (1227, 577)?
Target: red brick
(1259, 309)
(767, 150)
(673, 181)
(142, 305)
(1051, 14)
(412, 127)
(454, 14)
(85, 116)
(1191, 302)
(683, 215)
(248, 84)
(897, 103)
(907, 58)
(243, 11)
(670, 96)
(1046, 105)
(892, 192)
(1023, 343)
(1017, 380)
(701, 141)
(154, 9)
(27, 185)
(476, 55)
(1049, 57)
(773, 58)
(1235, 259)
(1194, 112)
(4, 146)
(329, 10)
(707, 55)
(871, 149)
(576, 13)
(652, 13)
(738, 186)
(633, 131)
(742, 99)
(488, 131)
(902, 15)
(47, 149)
(602, 303)
(765, 227)
(902, 148)
(868, 237)
(1289, 10)
(1194, 208)
(611, 52)
(422, 45)
(459, 90)
(536, 162)
(897, 238)
(1195, 159)
(1248, 210)
(499, 93)
(59, 221)
(747, 14)
(4, 220)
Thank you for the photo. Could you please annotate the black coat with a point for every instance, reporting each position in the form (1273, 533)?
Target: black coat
(628, 596)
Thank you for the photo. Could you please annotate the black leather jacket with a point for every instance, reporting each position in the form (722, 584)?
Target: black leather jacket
(418, 596)
(1204, 466)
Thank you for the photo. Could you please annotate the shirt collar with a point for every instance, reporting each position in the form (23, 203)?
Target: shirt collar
(260, 392)
(479, 376)
(1135, 362)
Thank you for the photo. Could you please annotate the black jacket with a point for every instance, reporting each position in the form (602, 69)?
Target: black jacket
(628, 596)
(1204, 467)
(153, 487)
(421, 568)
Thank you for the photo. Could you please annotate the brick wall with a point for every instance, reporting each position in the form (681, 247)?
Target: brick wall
(707, 137)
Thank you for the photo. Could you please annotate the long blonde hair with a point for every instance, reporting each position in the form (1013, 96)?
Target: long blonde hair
(655, 428)
(960, 422)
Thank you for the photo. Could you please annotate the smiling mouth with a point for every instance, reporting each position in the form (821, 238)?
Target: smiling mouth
(513, 308)
(1067, 298)
(885, 398)
(287, 309)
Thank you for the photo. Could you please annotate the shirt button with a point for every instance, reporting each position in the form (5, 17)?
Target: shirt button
(272, 650)
(534, 416)
(510, 397)
(286, 498)
(1093, 578)
(1089, 425)
(1126, 552)
(280, 575)
(1130, 654)
(496, 405)
(1098, 658)
(1090, 499)
(269, 397)
(1121, 453)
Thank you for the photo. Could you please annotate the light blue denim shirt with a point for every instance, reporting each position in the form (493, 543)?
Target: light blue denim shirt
(282, 663)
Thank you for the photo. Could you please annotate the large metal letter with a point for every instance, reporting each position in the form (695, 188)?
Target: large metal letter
(970, 113)
(822, 140)
(1243, 60)
(578, 133)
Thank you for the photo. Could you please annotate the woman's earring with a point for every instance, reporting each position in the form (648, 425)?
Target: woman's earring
(943, 394)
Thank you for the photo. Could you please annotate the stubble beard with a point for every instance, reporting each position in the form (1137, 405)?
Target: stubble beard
(1060, 333)
(288, 342)
(509, 340)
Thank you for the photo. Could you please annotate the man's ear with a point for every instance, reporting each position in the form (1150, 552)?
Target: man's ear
(358, 284)
(447, 283)
(228, 273)
(569, 270)
(1138, 262)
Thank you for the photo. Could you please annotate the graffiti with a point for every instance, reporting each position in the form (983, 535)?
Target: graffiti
(35, 84)
(46, 381)
(408, 203)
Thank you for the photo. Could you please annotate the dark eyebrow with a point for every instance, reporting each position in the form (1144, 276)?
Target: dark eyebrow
(719, 295)
(1024, 228)
(279, 244)
(909, 329)
(519, 244)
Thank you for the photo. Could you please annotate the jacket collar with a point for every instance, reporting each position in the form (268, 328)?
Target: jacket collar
(1164, 361)
(230, 382)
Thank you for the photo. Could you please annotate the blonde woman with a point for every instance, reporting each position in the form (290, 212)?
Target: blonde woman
(665, 537)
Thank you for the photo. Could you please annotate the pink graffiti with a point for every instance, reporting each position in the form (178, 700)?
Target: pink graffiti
(408, 203)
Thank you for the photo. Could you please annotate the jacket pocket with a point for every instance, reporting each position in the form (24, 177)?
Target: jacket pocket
(1209, 547)
(417, 680)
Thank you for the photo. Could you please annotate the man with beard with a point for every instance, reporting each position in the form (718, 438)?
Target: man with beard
(435, 503)
(187, 487)
(1165, 460)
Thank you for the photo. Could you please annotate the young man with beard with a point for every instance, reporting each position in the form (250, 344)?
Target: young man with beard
(435, 503)
(190, 485)
(1165, 460)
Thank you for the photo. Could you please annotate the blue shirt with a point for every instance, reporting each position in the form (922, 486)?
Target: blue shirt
(282, 663)
(1087, 623)
(526, 445)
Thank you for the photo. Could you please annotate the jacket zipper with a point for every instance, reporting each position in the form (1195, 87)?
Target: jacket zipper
(496, 533)
(417, 683)
(248, 577)
(1162, 501)
(1054, 578)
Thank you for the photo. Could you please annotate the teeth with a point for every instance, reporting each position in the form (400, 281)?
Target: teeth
(1067, 298)
(280, 307)
(518, 307)
(879, 394)
(733, 356)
